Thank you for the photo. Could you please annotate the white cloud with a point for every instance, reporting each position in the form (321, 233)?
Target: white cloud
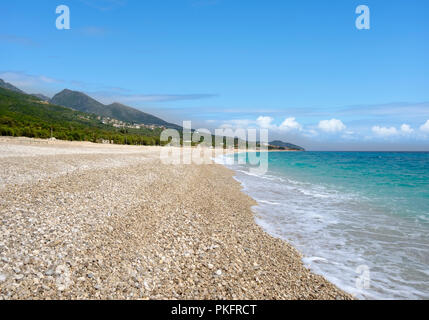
(290, 124)
(425, 127)
(406, 129)
(384, 131)
(332, 126)
(265, 122)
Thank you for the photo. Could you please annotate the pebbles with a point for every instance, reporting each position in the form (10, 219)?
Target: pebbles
(121, 225)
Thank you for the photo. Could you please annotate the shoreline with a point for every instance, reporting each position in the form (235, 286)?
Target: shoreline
(113, 222)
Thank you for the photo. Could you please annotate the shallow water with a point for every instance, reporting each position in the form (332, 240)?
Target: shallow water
(361, 219)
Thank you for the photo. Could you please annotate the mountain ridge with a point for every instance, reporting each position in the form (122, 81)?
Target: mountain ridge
(41, 97)
(82, 102)
(8, 86)
(24, 115)
(285, 145)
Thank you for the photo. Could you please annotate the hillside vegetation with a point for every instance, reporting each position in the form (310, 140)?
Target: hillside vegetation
(28, 116)
(82, 102)
(74, 116)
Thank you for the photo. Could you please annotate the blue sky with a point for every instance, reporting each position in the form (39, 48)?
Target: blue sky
(300, 68)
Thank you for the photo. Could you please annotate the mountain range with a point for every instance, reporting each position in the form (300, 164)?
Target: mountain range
(82, 102)
(8, 86)
(79, 101)
(285, 145)
(24, 115)
(78, 113)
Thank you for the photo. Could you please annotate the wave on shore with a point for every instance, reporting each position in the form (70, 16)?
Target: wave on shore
(342, 231)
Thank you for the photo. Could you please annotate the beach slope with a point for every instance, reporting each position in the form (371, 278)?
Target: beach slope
(86, 221)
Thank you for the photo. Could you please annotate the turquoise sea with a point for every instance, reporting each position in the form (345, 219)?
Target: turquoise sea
(353, 215)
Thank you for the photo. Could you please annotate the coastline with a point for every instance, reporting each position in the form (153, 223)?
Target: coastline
(86, 221)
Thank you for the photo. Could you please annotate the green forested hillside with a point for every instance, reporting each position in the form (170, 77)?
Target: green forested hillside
(82, 102)
(26, 115)
(285, 145)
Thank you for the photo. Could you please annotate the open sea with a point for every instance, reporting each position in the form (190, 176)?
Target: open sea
(361, 219)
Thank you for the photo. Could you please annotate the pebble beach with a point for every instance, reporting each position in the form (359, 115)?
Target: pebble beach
(92, 221)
